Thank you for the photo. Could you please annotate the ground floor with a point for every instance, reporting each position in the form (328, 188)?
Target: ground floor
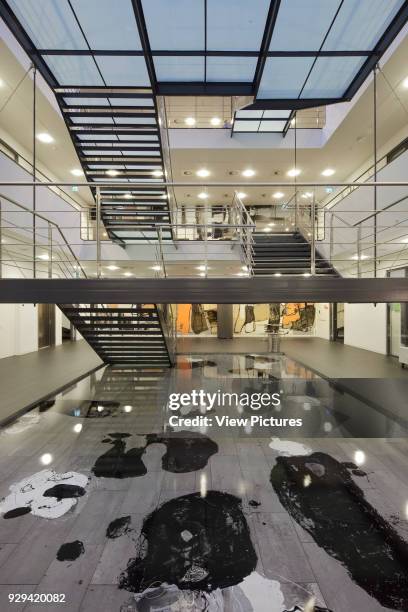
(238, 505)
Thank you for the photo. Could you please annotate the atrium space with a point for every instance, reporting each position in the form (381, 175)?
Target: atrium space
(203, 305)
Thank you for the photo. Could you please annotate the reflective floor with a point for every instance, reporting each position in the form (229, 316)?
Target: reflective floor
(106, 504)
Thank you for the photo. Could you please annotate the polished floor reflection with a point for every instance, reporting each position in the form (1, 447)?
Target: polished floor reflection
(106, 503)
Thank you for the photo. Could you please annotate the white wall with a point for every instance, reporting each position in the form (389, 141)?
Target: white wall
(322, 321)
(365, 326)
(7, 329)
(26, 330)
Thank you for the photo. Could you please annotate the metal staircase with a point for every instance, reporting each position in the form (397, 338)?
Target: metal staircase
(134, 335)
(118, 139)
(286, 254)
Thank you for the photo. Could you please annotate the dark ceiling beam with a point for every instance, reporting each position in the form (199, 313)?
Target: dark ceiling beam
(144, 40)
(203, 89)
(256, 290)
(290, 103)
(200, 53)
(266, 41)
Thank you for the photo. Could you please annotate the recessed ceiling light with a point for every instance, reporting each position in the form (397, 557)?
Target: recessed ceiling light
(127, 408)
(241, 195)
(44, 256)
(294, 172)
(112, 267)
(157, 173)
(202, 268)
(203, 173)
(356, 257)
(203, 195)
(105, 234)
(77, 172)
(307, 274)
(215, 121)
(127, 274)
(278, 195)
(277, 274)
(128, 196)
(45, 137)
(202, 274)
(77, 428)
(286, 229)
(405, 83)
(248, 172)
(46, 459)
(267, 229)
(271, 224)
(112, 172)
(190, 121)
(328, 172)
(156, 268)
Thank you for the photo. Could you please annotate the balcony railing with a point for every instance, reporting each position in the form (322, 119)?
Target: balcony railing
(366, 236)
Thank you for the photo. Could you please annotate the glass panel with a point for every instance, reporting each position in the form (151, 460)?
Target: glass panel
(175, 25)
(331, 76)
(242, 114)
(276, 114)
(283, 77)
(231, 69)
(131, 101)
(91, 120)
(97, 18)
(302, 26)
(272, 126)
(95, 137)
(73, 69)
(50, 23)
(360, 24)
(144, 120)
(237, 27)
(139, 137)
(128, 70)
(246, 126)
(86, 101)
(172, 68)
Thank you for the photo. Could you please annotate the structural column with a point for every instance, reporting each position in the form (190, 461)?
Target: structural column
(225, 321)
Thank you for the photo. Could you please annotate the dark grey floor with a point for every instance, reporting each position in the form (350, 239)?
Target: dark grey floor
(293, 568)
(335, 360)
(330, 359)
(27, 379)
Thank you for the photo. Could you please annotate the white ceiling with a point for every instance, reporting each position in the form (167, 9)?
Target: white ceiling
(59, 157)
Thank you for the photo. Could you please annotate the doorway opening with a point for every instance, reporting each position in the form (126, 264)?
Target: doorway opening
(46, 325)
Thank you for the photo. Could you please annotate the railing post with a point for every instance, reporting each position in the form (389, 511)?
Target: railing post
(1, 241)
(50, 250)
(331, 237)
(313, 241)
(359, 251)
(163, 265)
(98, 232)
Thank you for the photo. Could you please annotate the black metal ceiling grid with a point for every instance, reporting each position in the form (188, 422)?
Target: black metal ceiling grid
(153, 42)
